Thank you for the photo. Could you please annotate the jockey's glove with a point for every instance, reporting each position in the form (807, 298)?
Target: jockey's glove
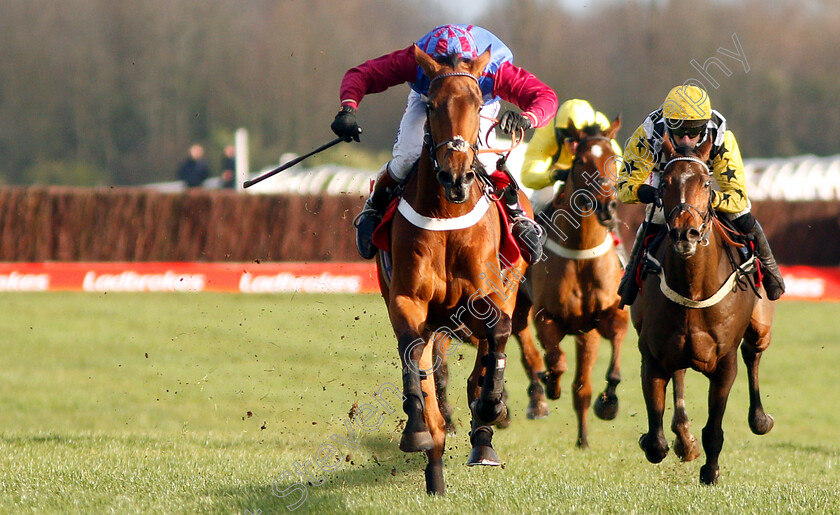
(345, 125)
(512, 121)
(648, 195)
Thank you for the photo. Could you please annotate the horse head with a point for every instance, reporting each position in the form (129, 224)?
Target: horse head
(686, 191)
(452, 113)
(595, 169)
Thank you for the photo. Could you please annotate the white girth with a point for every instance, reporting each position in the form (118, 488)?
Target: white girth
(444, 224)
(592, 253)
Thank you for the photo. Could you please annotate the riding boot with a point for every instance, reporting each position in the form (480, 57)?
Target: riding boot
(627, 288)
(774, 284)
(529, 235)
(367, 221)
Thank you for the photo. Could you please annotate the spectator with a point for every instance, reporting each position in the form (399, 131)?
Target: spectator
(228, 174)
(194, 170)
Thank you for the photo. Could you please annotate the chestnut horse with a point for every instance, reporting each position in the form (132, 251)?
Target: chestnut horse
(575, 285)
(444, 238)
(692, 314)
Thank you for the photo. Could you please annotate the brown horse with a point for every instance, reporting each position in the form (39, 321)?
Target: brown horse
(441, 282)
(575, 286)
(686, 319)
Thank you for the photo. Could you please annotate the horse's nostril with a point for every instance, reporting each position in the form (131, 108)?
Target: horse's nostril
(674, 234)
(469, 176)
(692, 235)
(444, 178)
(612, 205)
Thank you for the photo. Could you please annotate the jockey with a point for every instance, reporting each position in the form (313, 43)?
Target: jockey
(501, 80)
(550, 152)
(687, 117)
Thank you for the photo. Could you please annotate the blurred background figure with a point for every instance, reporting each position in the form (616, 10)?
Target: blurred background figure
(228, 174)
(194, 170)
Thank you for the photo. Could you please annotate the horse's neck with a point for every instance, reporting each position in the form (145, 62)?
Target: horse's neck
(581, 232)
(701, 275)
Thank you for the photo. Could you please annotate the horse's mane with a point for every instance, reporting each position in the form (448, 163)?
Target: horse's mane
(686, 151)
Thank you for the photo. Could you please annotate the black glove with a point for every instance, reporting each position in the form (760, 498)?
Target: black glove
(648, 195)
(512, 121)
(345, 126)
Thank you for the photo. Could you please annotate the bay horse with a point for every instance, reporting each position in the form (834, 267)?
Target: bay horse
(574, 287)
(686, 319)
(443, 237)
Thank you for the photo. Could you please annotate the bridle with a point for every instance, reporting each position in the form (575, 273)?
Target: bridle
(598, 206)
(455, 144)
(705, 218)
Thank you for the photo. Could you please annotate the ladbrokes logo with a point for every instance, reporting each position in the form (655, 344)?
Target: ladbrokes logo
(132, 281)
(15, 281)
(286, 282)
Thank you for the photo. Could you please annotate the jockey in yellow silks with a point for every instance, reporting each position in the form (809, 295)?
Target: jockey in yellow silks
(686, 116)
(550, 152)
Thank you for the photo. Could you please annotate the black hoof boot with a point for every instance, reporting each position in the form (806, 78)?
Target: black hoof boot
(709, 474)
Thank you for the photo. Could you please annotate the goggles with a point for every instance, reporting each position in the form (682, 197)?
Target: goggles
(691, 132)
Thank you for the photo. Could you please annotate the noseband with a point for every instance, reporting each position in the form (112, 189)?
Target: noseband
(455, 144)
(705, 218)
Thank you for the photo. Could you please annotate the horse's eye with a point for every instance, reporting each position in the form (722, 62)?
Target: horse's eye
(707, 184)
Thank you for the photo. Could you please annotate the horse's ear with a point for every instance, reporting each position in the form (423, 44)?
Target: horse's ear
(572, 131)
(705, 149)
(480, 63)
(614, 126)
(429, 65)
(668, 147)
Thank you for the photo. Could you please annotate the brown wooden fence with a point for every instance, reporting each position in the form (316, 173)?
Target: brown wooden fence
(135, 224)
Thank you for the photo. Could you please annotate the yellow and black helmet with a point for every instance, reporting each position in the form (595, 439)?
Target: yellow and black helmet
(580, 112)
(687, 105)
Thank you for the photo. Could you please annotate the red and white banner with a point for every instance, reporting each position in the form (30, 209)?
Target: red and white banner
(192, 277)
(802, 282)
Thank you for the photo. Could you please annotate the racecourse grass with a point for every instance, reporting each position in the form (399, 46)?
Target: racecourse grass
(196, 403)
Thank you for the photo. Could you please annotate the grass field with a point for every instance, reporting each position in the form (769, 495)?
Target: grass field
(192, 403)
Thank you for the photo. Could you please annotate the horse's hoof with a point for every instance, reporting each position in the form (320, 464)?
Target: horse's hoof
(763, 425)
(709, 474)
(451, 428)
(537, 410)
(582, 443)
(687, 454)
(483, 455)
(654, 453)
(606, 406)
(416, 442)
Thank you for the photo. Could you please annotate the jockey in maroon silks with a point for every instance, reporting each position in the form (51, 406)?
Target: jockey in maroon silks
(501, 80)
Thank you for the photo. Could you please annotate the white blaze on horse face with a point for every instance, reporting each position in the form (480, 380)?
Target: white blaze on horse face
(596, 151)
(458, 144)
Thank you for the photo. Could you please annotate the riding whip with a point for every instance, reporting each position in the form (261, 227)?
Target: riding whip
(293, 162)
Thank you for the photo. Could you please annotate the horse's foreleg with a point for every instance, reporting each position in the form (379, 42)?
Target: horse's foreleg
(654, 381)
(550, 335)
(586, 353)
(407, 318)
(614, 328)
(686, 445)
(756, 340)
(720, 383)
(489, 408)
(436, 423)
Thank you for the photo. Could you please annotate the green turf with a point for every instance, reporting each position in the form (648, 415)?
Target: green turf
(201, 402)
